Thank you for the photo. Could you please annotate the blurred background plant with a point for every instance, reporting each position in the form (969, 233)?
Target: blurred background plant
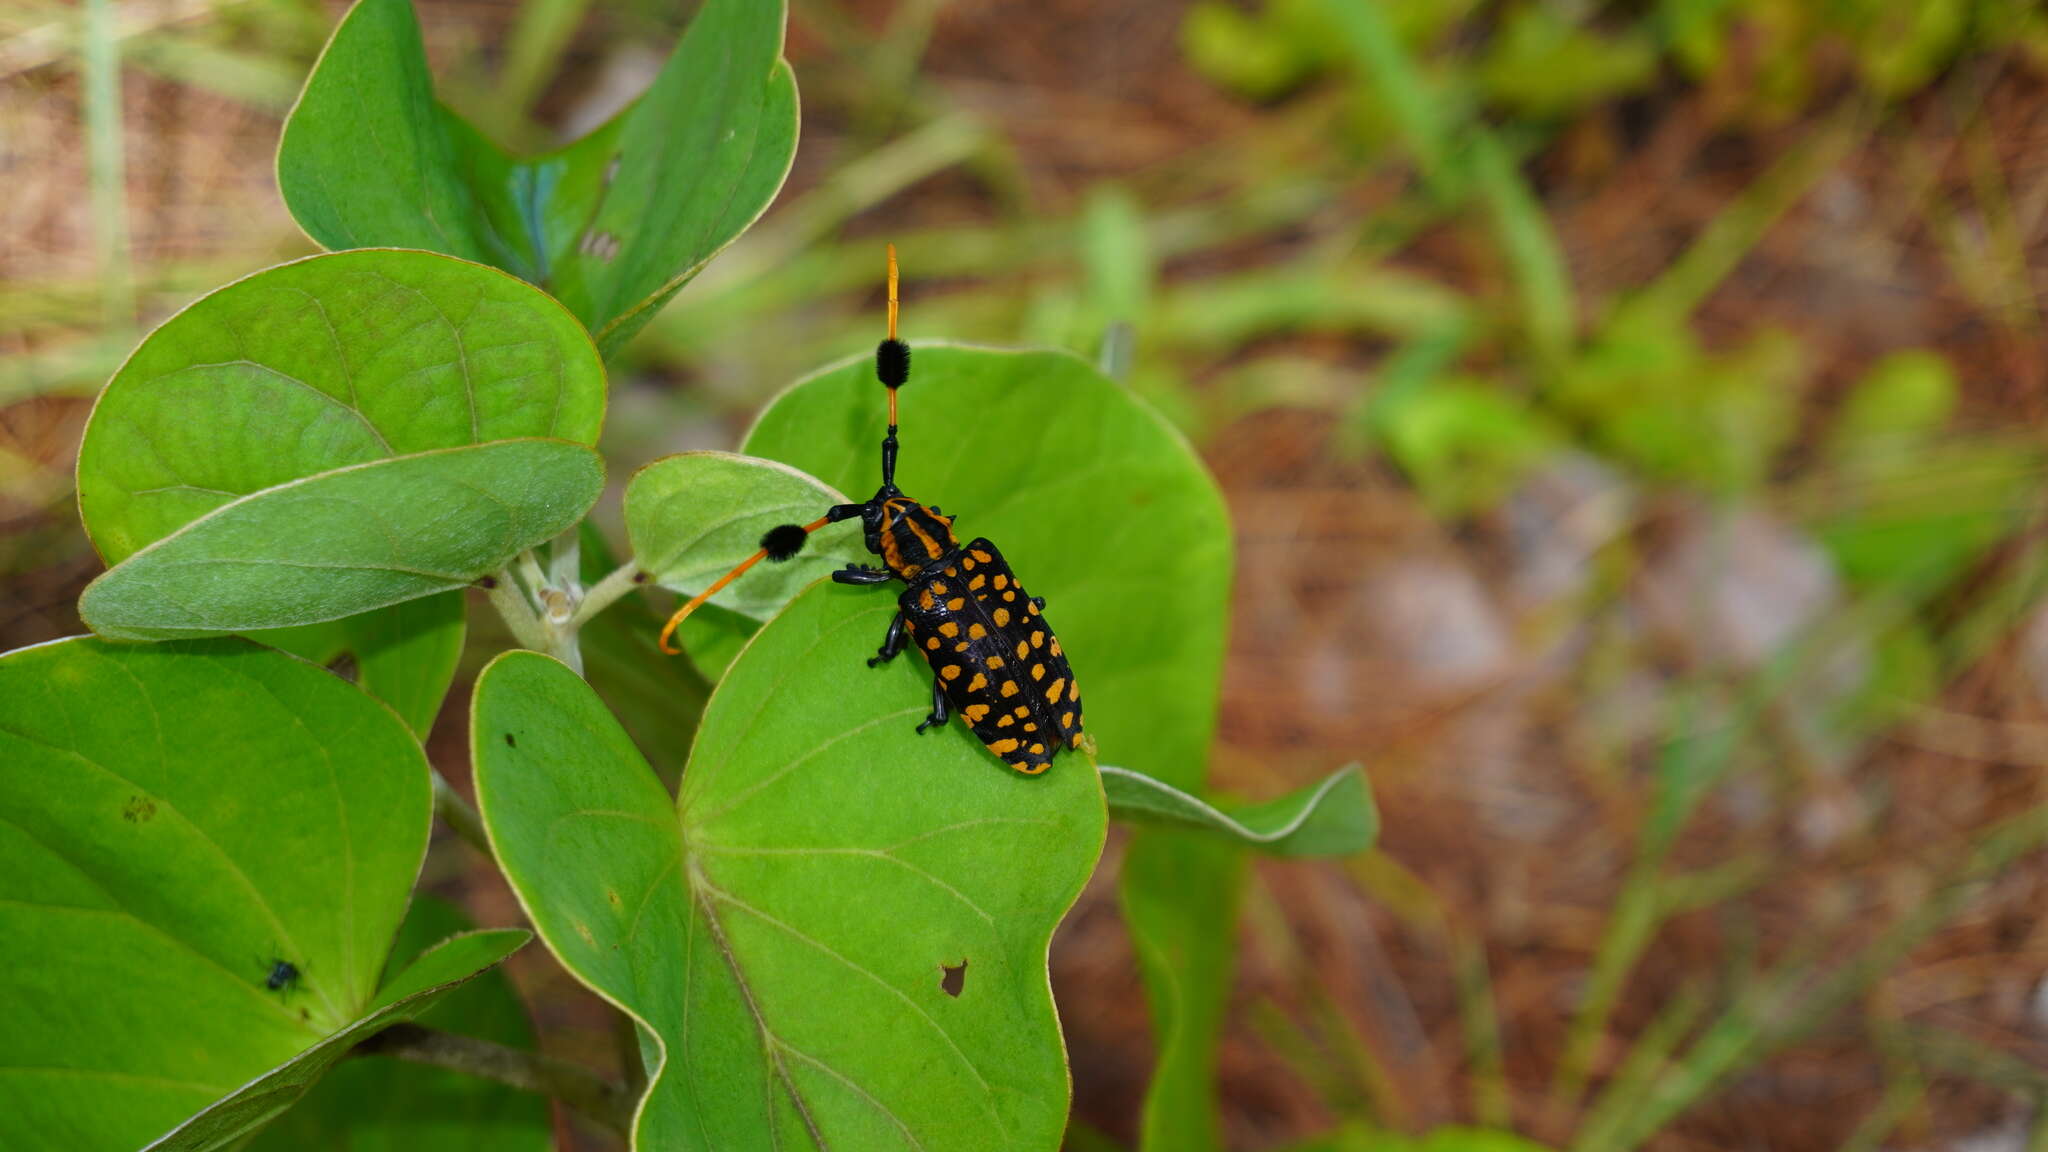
(1631, 418)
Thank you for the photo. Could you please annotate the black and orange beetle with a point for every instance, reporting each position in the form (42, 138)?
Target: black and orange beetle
(994, 659)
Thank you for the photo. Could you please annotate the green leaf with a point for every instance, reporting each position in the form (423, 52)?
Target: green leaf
(1096, 502)
(1106, 512)
(656, 696)
(419, 987)
(1180, 893)
(1333, 818)
(837, 935)
(613, 225)
(380, 1104)
(404, 655)
(348, 541)
(694, 515)
(319, 364)
(173, 819)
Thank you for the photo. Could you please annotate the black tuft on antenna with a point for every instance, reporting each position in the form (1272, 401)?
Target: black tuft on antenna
(892, 363)
(783, 541)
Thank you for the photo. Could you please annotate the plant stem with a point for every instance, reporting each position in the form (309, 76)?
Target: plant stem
(606, 592)
(511, 603)
(600, 1099)
(458, 815)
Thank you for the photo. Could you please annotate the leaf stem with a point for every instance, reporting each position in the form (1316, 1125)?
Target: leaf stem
(606, 592)
(602, 1100)
(512, 604)
(457, 813)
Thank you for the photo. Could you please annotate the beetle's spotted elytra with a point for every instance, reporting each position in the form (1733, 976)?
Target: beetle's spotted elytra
(993, 656)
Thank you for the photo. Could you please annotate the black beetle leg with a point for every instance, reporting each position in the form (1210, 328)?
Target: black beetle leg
(940, 713)
(892, 643)
(862, 574)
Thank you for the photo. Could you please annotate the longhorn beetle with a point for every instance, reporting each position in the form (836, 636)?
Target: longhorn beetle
(994, 659)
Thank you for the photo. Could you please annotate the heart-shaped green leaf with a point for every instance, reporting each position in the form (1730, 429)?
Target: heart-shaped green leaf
(404, 655)
(174, 821)
(378, 1104)
(694, 515)
(323, 363)
(1333, 818)
(613, 225)
(417, 988)
(837, 936)
(347, 541)
(1103, 510)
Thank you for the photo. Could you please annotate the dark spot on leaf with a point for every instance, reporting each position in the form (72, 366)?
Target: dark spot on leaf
(641, 577)
(955, 977)
(344, 666)
(612, 895)
(510, 742)
(487, 582)
(139, 810)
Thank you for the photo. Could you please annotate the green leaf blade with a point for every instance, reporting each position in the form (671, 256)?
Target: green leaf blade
(1335, 817)
(685, 535)
(347, 541)
(320, 364)
(613, 225)
(398, 183)
(173, 819)
(381, 1104)
(418, 988)
(404, 655)
(808, 785)
(1106, 512)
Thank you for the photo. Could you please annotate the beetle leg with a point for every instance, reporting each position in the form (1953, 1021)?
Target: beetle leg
(940, 713)
(862, 574)
(1040, 601)
(892, 643)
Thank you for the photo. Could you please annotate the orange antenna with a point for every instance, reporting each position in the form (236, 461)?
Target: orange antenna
(892, 325)
(778, 545)
(892, 291)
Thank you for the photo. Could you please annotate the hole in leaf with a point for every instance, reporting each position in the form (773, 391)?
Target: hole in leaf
(955, 978)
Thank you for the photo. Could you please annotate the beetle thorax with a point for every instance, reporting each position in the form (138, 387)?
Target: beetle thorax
(912, 536)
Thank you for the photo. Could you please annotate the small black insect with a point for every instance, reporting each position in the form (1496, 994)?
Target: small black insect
(284, 975)
(993, 656)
